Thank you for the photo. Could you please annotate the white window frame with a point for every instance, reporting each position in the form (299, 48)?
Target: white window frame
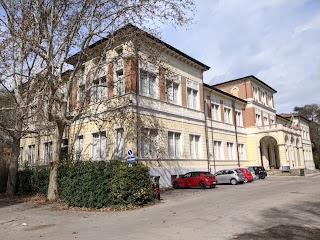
(79, 147)
(118, 144)
(175, 151)
(218, 150)
(148, 86)
(195, 146)
(149, 148)
(47, 152)
(258, 118)
(33, 113)
(239, 119)
(119, 87)
(99, 89)
(21, 156)
(100, 145)
(230, 151)
(215, 111)
(265, 120)
(227, 111)
(255, 94)
(173, 88)
(193, 96)
(30, 154)
(241, 151)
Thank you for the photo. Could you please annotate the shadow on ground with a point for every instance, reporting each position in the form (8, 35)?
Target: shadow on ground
(282, 232)
(295, 222)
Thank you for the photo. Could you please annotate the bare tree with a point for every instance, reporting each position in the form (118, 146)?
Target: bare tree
(62, 28)
(18, 66)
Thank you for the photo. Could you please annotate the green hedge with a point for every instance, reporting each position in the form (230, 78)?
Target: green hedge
(99, 184)
(89, 184)
(33, 180)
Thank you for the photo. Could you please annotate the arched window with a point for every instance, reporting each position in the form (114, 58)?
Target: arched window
(235, 91)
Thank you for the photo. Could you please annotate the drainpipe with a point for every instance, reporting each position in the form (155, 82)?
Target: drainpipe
(236, 130)
(206, 131)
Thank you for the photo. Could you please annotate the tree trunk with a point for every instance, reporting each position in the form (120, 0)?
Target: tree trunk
(13, 168)
(54, 163)
(13, 164)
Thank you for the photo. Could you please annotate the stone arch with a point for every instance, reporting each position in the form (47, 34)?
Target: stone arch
(269, 152)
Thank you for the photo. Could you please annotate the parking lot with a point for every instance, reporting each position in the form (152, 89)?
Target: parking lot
(274, 208)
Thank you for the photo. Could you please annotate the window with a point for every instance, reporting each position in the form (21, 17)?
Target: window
(99, 89)
(119, 143)
(173, 92)
(148, 84)
(258, 120)
(79, 148)
(192, 95)
(263, 98)
(227, 115)
(217, 150)
(21, 156)
(194, 146)
(82, 93)
(241, 151)
(255, 94)
(230, 150)
(30, 154)
(174, 145)
(239, 117)
(215, 112)
(270, 101)
(119, 84)
(47, 152)
(99, 146)
(33, 113)
(149, 143)
(265, 121)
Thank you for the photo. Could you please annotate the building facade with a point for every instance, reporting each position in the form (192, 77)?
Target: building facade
(158, 106)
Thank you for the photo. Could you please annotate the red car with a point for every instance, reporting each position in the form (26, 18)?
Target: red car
(195, 179)
(246, 174)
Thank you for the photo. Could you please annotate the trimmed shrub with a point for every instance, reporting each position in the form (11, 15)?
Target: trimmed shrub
(3, 177)
(33, 180)
(100, 184)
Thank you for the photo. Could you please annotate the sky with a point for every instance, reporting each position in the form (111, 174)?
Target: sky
(278, 41)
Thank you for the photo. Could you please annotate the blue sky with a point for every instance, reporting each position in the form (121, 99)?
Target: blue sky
(278, 41)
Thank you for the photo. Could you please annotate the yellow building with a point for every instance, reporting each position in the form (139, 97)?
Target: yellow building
(154, 102)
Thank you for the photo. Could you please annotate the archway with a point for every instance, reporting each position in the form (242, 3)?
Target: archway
(269, 152)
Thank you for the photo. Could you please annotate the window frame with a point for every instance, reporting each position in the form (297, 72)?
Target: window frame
(176, 154)
(195, 146)
(92, 146)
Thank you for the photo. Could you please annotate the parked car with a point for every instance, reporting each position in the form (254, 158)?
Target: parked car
(195, 179)
(229, 176)
(260, 172)
(247, 174)
(253, 173)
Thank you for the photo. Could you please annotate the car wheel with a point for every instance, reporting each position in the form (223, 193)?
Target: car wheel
(176, 185)
(202, 185)
(245, 180)
(213, 186)
(233, 181)
(263, 177)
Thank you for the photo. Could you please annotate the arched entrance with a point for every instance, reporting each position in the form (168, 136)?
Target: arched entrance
(269, 152)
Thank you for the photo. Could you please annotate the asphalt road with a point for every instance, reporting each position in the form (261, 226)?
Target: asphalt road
(274, 208)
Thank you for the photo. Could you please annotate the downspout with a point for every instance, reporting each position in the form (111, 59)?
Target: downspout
(236, 131)
(214, 159)
(206, 130)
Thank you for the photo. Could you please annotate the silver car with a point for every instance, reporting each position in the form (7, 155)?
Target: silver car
(229, 176)
(253, 173)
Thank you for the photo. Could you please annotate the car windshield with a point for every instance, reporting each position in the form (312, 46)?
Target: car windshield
(238, 171)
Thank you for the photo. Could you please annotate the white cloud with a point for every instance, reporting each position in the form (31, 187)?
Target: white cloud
(277, 41)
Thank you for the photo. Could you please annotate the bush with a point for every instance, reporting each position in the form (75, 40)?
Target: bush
(33, 180)
(3, 177)
(99, 184)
